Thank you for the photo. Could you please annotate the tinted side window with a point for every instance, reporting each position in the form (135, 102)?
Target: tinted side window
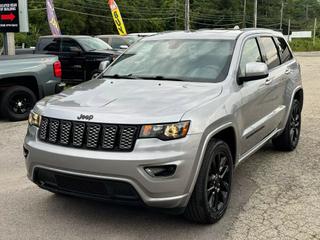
(250, 53)
(105, 39)
(49, 44)
(117, 42)
(68, 43)
(284, 50)
(271, 52)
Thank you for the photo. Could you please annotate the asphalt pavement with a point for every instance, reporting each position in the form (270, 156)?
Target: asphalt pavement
(275, 195)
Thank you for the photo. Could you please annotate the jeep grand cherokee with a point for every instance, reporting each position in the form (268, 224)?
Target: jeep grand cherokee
(169, 121)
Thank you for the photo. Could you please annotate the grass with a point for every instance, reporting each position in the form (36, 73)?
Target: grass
(305, 45)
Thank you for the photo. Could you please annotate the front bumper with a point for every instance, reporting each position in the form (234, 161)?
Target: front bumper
(127, 167)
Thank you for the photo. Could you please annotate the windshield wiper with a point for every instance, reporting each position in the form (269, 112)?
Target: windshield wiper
(163, 78)
(117, 76)
(132, 76)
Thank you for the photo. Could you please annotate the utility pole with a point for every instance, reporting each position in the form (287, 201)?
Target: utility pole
(314, 31)
(289, 29)
(187, 15)
(281, 15)
(175, 15)
(9, 44)
(244, 13)
(255, 14)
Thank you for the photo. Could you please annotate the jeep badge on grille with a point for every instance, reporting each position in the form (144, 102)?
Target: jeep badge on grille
(85, 117)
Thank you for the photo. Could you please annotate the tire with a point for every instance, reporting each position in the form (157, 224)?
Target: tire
(289, 138)
(16, 103)
(204, 205)
(94, 74)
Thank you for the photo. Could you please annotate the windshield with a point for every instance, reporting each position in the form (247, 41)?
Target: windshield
(183, 60)
(91, 44)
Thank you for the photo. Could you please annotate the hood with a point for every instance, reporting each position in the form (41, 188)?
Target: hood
(129, 101)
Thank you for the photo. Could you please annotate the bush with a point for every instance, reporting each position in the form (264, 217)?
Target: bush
(305, 45)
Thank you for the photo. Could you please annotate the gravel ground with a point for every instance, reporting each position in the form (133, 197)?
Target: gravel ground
(275, 196)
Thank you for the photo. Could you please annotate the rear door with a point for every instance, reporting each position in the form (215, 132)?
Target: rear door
(278, 79)
(290, 69)
(72, 59)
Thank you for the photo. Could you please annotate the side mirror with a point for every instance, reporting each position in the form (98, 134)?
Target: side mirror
(103, 65)
(75, 50)
(255, 71)
(124, 47)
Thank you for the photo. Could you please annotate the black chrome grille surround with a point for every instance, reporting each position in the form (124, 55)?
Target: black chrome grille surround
(95, 136)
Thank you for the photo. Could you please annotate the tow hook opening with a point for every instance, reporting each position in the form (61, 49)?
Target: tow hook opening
(161, 171)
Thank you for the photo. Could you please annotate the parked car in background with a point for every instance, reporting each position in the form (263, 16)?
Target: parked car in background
(23, 51)
(24, 80)
(80, 56)
(118, 42)
(169, 121)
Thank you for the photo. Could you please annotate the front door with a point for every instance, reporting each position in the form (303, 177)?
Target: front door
(72, 60)
(255, 105)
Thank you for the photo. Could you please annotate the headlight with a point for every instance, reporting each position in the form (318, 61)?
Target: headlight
(34, 119)
(165, 131)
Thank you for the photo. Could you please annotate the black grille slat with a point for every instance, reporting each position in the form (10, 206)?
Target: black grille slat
(43, 128)
(93, 133)
(78, 134)
(53, 130)
(88, 135)
(127, 137)
(109, 137)
(65, 132)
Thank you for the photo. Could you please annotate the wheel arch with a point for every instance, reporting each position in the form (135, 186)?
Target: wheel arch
(26, 81)
(228, 135)
(299, 95)
(226, 132)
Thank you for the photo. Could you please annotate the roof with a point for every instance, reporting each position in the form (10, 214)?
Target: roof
(66, 36)
(111, 35)
(211, 34)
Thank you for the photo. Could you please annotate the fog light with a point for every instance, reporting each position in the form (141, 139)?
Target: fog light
(161, 171)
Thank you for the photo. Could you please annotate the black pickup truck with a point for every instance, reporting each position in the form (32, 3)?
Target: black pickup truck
(80, 56)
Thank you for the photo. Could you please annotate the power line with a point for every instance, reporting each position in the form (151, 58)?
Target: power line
(104, 16)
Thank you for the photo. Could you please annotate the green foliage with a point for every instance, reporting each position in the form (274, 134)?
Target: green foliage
(305, 45)
(93, 17)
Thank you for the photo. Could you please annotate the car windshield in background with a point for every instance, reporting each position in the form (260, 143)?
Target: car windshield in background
(131, 39)
(91, 44)
(181, 60)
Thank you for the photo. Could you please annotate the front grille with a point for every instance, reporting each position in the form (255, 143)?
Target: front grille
(96, 136)
(86, 186)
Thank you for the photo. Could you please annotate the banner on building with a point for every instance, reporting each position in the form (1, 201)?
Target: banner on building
(52, 18)
(117, 18)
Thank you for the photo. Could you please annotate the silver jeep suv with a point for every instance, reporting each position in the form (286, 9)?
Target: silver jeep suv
(167, 123)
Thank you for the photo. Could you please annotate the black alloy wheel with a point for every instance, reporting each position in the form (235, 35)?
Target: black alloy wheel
(218, 183)
(295, 124)
(16, 102)
(211, 194)
(289, 138)
(20, 102)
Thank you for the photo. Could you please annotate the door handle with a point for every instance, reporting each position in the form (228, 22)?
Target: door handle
(268, 81)
(288, 71)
